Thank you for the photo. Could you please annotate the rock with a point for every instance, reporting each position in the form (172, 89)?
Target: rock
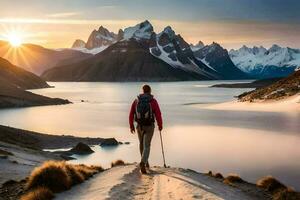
(120, 142)
(127, 143)
(109, 142)
(81, 149)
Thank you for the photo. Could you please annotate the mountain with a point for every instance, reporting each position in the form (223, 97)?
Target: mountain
(260, 62)
(19, 77)
(281, 89)
(217, 58)
(122, 61)
(101, 37)
(175, 51)
(141, 55)
(13, 82)
(36, 59)
(78, 44)
(197, 46)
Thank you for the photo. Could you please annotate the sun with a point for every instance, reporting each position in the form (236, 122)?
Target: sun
(15, 39)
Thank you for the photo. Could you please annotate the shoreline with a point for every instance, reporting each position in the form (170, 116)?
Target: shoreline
(289, 105)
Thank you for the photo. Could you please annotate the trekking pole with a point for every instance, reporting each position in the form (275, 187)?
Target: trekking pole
(162, 149)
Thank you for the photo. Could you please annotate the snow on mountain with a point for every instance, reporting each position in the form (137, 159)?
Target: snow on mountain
(101, 37)
(172, 49)
(217, 58)
(91, 51)
(139, 31)
(265, 63)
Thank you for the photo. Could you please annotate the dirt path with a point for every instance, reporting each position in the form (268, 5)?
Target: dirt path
(127, 183)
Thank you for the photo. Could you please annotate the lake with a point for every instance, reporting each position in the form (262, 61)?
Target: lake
(251, 144)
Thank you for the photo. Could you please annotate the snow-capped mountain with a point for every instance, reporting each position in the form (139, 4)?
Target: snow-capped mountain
(172, 49)
(193, 60)
(217, 58)
(102, 37)
(142, 31)
(266, 63)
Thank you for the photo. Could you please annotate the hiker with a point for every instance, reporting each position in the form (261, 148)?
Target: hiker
(144, 110)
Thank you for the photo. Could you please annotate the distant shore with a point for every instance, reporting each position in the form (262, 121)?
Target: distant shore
(291, 104)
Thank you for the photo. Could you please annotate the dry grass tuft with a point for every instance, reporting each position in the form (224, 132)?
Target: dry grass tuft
(97, 168)
(75, 176)
(52, 175)
(277, 189)
(85, 171)
(117, 163)
(233, 178)
(60, 176)
(40, 193)
(218, 175)
(270, 183)
(286, 194)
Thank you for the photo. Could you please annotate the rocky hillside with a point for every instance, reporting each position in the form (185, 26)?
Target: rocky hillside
(13, 83)
(279, 90)
(12, 97)
(36, 59)
(262, 63)
(19, 77)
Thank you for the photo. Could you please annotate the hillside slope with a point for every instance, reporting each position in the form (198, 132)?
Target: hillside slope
(279, 90)
(19, 77)
(37, 59)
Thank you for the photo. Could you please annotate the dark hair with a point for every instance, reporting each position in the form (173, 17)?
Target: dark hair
(146, 89)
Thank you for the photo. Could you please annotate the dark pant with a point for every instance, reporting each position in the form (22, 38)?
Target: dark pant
(145, 134)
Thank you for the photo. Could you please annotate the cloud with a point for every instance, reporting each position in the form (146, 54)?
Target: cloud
(63, 15)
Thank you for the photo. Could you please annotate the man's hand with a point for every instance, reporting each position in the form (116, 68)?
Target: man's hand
(132, 130)
(160, 128)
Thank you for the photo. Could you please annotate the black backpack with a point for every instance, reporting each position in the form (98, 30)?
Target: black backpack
(143, 111)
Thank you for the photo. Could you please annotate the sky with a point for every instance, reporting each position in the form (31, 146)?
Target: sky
(232, 23)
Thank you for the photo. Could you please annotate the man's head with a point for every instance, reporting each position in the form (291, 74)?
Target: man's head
(146, 89)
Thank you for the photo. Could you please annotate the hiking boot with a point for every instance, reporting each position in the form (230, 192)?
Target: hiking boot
(147, 165)
(143, 168)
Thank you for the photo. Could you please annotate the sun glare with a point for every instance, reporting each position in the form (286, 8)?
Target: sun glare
(15, 39)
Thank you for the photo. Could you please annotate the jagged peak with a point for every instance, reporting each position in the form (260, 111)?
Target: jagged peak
(142, 30)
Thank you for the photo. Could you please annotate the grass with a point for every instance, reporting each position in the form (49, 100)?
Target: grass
(56, 176)
(52, 175)
(117, 163)
(277, 189)
(217, 175)
(270, 183)
(40, 193)
(233, 178)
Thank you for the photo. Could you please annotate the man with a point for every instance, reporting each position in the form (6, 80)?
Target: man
(144, 110)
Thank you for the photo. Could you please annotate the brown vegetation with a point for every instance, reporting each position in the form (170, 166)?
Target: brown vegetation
(40, 193)
(277, 189)
(56, 177)
(117, 163)
(279, 90)
(233, 178)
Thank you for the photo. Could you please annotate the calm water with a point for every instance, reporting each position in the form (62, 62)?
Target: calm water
(252, 144)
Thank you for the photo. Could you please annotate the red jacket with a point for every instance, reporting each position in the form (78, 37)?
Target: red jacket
(155, 109)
